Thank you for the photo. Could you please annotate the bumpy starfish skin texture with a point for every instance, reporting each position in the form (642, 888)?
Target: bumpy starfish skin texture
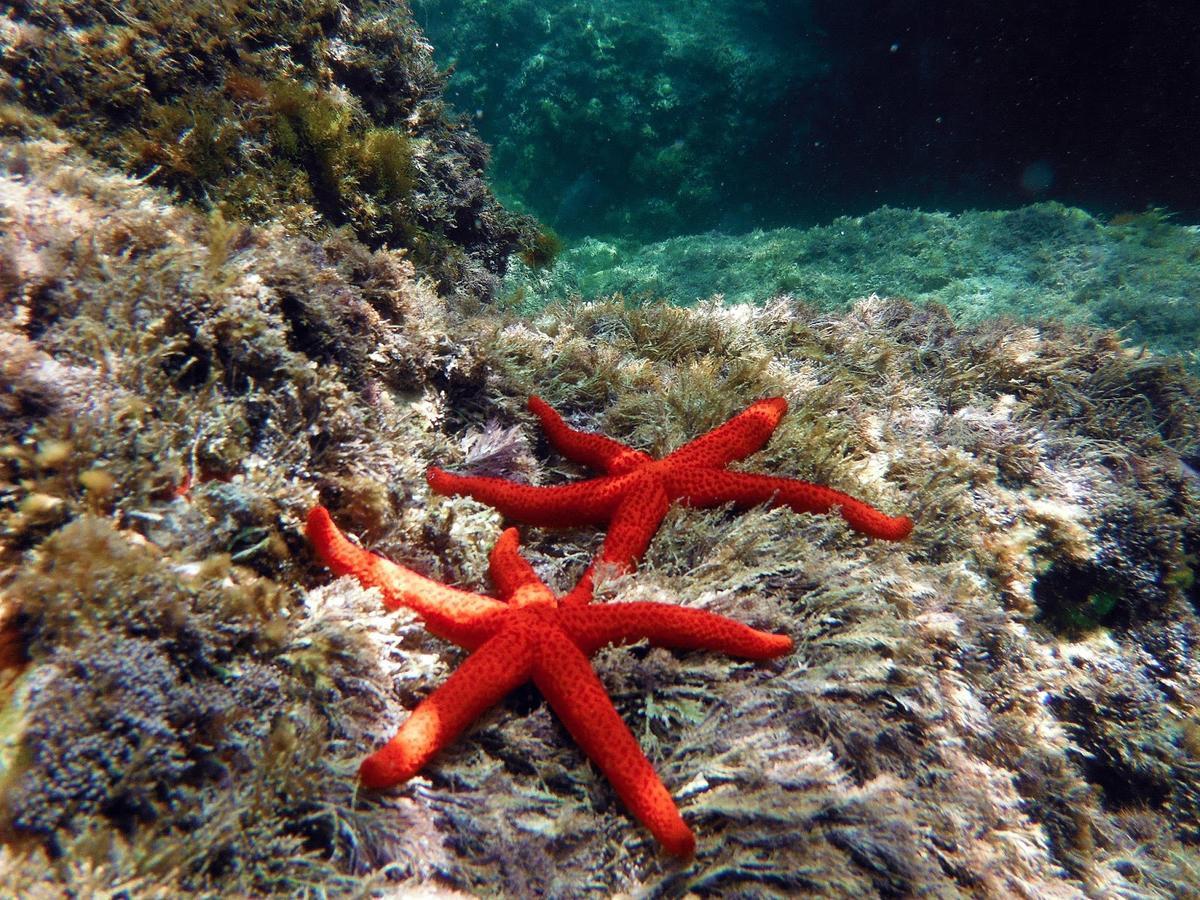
(527, 636)
(634, 494)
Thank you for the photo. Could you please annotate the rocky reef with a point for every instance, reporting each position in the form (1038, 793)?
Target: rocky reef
(1135, 273)
(1004, 703)
(679, 114)
(311, 114)
(249, 264)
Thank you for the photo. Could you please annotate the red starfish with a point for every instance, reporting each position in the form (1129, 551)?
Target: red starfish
(634, 494)
(532, 636)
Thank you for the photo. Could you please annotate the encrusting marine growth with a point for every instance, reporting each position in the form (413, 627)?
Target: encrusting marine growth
(530, 635)
(634, 495)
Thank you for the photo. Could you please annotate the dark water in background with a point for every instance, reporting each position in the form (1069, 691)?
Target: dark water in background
(644, 120)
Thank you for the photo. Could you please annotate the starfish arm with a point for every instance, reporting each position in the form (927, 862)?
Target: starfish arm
(514, 577)
(634, 523)
(560, 506)
(710, 487)
(736, 439)
(586, 447)
(509, 570)
(565, 677)
(630, 531)
(498, 666)
(676, 627)
(459, 616)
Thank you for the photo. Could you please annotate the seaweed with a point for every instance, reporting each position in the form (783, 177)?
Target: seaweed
(306, 113)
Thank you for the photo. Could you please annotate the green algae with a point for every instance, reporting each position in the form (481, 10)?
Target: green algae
(310, 114)
(1135, 274)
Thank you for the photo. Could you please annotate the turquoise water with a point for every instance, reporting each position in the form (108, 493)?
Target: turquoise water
(648, 135)
(636, 119)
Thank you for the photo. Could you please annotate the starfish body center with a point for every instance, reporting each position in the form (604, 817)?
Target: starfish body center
(533, 596)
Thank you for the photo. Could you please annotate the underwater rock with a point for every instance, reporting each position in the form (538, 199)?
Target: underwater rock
(1004, 702)
(1134, 273)
(310, 114)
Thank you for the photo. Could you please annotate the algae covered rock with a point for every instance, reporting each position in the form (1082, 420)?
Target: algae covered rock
(1004, 703)
(312, 114)
(169, 379)
(1136, 273)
